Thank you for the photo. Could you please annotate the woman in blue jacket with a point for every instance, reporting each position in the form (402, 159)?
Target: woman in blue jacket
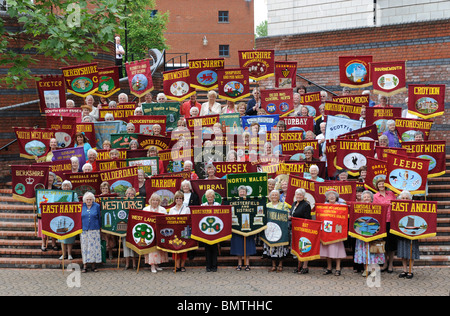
(90, 237)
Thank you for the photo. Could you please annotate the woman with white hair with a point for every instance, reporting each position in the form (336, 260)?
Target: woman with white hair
(161, 98)
(190, 197)
(300, 209)
(109, 117)
(211, 251)
(90, 237)
(122, 98)
(75, 164)
(391, 133)
(91, 159)
(156, 257)
(211, 107)
(87, 167)
(313, 174)
(189, 166)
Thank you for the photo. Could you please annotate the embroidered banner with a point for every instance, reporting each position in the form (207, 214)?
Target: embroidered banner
(285, 74)
(379, 116)
(176, 84)
(296, 182)
(302, 124)
(295, 149)
(388, 78)
(61, 220)
(211, 224)
(349, 111)
(150, 165)
(266, 122)
(139, 77)
(369, 132)
(173, 160)
(103, 131)
(108, 83)
(65, 129)
(115, 213)
(376, 169)
(337, 126)
(169, 109)
(34, 143)
(51, 92)
(306, 235)
(254, 182)
(218, 185)
(203, 73)
(352, 99)
(26, 179)
(352, 154)
(334, 218)
(84, 182)
(406, 173)
(249, 215)
(145, 123)
(354, 71)
(45, 196)
(141, 231)
(277, 231)
(407, 128)
(426, 101)
(367, 221)
(123, 140)
(174, 233)
(312, 101)
(277, 101)
(413, 219)
(67, 153)
(165, 187)
(260, 63)
(433, 150)
(121, 179)
(233, 84)
(346, 190)
(81, 80)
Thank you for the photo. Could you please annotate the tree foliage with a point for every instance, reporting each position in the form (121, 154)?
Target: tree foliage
(261, 29)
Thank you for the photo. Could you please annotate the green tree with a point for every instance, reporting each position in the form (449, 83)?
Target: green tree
(261, 29)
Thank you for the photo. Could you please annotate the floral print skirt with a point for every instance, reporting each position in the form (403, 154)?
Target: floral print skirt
(91, 250)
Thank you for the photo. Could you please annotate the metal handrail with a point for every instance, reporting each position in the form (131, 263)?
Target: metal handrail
(317, 85)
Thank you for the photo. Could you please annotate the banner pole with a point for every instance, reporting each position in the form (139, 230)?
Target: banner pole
(175, 263)
(367, 260)
(62, 248)
(35, 216)
(410, 256)
(139, 263)
(245, 250)
(118, 252)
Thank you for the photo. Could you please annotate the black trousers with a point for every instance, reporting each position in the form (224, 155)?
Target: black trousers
(119, 63)
(211, 252)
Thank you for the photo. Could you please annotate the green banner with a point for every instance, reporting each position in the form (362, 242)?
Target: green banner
(255, 183)
(170, 109)
(277, 232)
(115, 213)
(248, 215)
(150, 165)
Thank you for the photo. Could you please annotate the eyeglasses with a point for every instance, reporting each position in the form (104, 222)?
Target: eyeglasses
(179, 198)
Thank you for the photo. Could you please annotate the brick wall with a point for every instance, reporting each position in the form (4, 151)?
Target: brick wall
(425, 46)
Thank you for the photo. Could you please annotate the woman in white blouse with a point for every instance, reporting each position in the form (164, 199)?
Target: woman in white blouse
(211, 107)
(180, 209)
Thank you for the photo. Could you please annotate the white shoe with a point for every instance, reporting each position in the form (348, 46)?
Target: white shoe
(154, 269)
(62, 257)
(69, 257)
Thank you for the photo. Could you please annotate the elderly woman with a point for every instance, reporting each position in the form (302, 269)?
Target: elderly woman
(91, 158)
(109, 117)
(254, 104)
(134, 144)
(194, 112)
(156, 130)
(87, 167)
(131, 129)
(404, 246)
(211, 251)
(280, 252)
(362, 248)
(211, 171)
(335, 250)
(122, 98)
(382, 102)
(237, 241)
(309, 153)
(211, 107)
(90, 237)
(75, 162)
(158, 256)
(384, 196)
(300, 209)
(189, 196)
(392, 135)
(153, 152)
(189, 166)
(313, 174)
(240, 108)
(161, 98)
(180, 209)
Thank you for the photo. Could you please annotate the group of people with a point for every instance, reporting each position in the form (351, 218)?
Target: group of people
(91, 237)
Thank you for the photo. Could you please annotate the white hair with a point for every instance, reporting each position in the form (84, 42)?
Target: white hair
(88, 195)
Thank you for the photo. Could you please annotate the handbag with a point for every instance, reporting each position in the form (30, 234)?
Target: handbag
(377, 246)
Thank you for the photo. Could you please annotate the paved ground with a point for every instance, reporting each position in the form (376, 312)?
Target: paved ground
(227, 282)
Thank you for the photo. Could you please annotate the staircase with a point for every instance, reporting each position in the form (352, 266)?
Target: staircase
(21, 248)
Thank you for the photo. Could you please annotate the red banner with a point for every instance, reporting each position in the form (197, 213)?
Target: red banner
(294, 183)
(174, 233)
(211, 224)
(298, 123)
(407, 128)
(277, 101)
(354, 71)
(108, 83)
(26, 179)
(351, 111)
(367, 221)
(406, 173)
(52, 92)
(376, 169)
(176, 84)
(65, 129)
(346, 190)
(141, 231)
(144, 123)
(285, 74)
(165, 187)
(312, 101)
(34, 142)
(260, 63)
(426, 101)
(334, 218)
(352, 154)
(203, 73)
(233, 84)
(218, 185)
(433, 150)
(61, 220)
(121, 179)
(362, 99)
(83, 182)
(388, 78)
(369, 132)
(81, 80)
(139, 77)
(379, 116)
(413, 219)
(306, 235)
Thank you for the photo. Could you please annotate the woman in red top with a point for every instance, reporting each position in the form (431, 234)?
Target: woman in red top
(384, 196)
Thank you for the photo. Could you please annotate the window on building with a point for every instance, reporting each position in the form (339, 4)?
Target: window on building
(223, 17)
(224, 50)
